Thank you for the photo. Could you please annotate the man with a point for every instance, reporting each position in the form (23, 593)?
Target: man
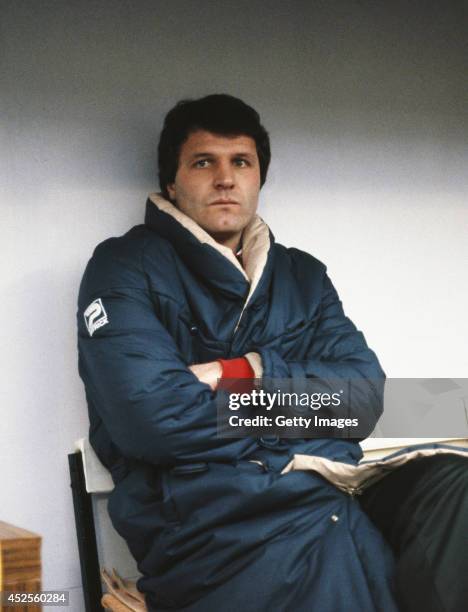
(199, 293)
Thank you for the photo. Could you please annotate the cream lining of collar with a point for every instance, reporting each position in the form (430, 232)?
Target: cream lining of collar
(255, 242)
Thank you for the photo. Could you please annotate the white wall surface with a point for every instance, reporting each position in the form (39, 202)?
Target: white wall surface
(366, 107)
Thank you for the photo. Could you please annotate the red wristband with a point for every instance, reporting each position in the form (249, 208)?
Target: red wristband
(236, 368)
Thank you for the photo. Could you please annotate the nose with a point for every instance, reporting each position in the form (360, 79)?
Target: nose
(224, 176)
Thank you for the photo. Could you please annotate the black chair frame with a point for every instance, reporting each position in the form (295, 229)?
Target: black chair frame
(86, 534)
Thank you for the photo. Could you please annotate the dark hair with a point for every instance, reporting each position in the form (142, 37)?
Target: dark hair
(217, 113)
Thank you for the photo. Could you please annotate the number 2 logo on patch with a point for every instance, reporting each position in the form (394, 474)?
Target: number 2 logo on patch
(95, 316)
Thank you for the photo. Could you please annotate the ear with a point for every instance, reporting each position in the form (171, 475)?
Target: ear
(171, 190)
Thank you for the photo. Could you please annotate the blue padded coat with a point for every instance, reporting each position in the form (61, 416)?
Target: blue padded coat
(212, 522)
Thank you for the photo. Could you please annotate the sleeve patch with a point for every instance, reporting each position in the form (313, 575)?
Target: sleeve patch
(95, 316)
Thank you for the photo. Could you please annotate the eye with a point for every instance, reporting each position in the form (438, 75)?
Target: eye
(201, 163)
(240, 162)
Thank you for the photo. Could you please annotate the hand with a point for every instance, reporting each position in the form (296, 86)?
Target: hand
(208, 373)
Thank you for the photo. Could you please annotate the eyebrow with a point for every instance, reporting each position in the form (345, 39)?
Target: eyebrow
(211, 154)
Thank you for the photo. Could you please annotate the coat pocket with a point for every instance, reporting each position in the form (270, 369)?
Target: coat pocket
(169, 507)
(295, 341)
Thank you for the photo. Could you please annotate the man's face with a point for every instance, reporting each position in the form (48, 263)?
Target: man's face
(217, 183)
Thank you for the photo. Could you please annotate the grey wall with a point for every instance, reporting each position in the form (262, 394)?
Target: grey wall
(366, 106)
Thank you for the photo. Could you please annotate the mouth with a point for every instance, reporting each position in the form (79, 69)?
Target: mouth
(224, 203)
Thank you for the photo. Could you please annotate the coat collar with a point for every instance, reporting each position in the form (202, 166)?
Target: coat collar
(214, 262)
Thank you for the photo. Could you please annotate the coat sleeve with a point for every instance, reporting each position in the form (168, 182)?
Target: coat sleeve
(337, 352)
(153, 407)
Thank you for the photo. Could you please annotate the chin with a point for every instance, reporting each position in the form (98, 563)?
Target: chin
(226, 225)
